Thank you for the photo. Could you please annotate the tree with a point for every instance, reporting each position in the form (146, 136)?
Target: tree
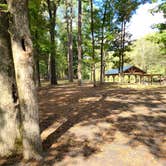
(22, 50)
(160, 36)
(93, 43)
(147, 55)
(124, 10)
(69, 21)
(102, 45)
(8, 111)
(36, 24)
(52, 9)
(79, 42)
(40, 37)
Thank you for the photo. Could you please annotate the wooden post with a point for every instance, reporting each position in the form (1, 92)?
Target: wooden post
(122, 78)
(139, 79)
(142, 79)
(128, 78)
(119, 78)
(113, 76)
(107, 78)
(135, 78)
(151, 79)
(148, 80)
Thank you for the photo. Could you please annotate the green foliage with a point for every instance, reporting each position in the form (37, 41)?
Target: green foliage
(124, 9)
(148, 56)
(3, 7)
(161, 8)
(160, 37)
(108, 16)
(39, 31)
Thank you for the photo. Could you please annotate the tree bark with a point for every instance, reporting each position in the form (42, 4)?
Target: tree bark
(121, 48)
(123, 41)
(37, 68)
(102, 47)
(93, 45)
(69, 21)
(79, 43)
(68, 43)
(8, 110)
(52, 15)
(24, 68)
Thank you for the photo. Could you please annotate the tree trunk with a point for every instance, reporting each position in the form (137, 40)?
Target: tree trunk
(123, 28)
(93, 45)
(38, 72)
(102, 48)
(119, 62)
(52, 15)
(121, 53)
(8, 110)
(79, 43)
(121, 49)
(24, 68)
(68, 36)
(123, 42)
(36, 57)
(37, 69)
(48, 67)
(69, 21)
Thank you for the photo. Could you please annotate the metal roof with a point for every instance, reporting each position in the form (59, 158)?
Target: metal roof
(116, 71)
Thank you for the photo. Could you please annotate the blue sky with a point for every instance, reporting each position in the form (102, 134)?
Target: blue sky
(142, 21)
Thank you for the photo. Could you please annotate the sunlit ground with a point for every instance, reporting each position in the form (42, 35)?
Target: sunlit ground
(110, 125)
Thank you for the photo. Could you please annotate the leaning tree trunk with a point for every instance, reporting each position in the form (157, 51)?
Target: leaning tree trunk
(8, 111)
(24, 69)
(79, 42)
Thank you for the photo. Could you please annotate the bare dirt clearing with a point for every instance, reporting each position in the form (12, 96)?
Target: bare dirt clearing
(104, 125)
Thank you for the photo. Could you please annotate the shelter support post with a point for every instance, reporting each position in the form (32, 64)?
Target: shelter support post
(151, 79)
(160, 79)
(135, 78)
(108, 78)
(141, 78)
(128, 78)
(113, 76)
(148, 79)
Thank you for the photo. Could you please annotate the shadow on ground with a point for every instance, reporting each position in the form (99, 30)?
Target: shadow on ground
(78, 121)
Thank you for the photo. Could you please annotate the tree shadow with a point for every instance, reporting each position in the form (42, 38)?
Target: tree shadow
(84, 113)
(71, 147)
(86, 106)
(148, 130)
(141, 129)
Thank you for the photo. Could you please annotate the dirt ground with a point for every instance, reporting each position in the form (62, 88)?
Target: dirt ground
(102, 126)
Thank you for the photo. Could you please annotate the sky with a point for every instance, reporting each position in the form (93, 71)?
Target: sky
(142, 21)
